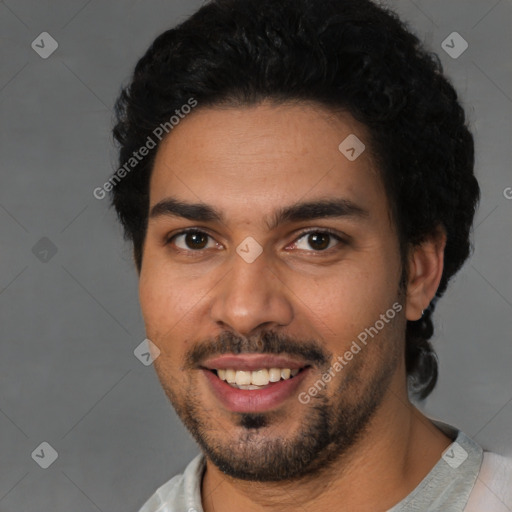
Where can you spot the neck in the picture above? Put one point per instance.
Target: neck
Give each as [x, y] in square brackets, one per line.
[398, 449]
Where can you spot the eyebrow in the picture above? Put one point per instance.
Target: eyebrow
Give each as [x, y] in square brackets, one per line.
[311, 210]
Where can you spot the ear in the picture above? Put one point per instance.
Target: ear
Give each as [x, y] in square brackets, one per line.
[426, 261]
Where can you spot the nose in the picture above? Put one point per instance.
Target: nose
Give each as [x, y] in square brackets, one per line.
[251, 297]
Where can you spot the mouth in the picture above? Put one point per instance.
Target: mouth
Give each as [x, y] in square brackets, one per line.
[254, 382]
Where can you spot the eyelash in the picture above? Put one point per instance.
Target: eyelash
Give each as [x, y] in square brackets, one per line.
[302, 234]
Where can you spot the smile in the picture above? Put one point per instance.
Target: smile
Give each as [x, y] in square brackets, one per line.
[257, 379]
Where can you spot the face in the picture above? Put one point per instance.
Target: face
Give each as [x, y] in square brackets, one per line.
[270, 260]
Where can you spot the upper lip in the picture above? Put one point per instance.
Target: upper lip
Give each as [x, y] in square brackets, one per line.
[252, 362]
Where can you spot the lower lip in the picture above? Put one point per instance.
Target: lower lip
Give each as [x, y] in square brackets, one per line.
[254, 400]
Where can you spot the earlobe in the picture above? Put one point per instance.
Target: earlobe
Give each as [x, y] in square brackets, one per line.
[426, 261]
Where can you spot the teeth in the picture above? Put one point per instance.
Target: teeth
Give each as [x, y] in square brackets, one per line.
[274, 374]
[260, 377]
[243, 378]
[255, 379]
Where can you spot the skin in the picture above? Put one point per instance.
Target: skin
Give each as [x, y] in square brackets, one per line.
[247, 162]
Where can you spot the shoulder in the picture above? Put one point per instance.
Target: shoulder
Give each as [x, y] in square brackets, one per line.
[492, 491]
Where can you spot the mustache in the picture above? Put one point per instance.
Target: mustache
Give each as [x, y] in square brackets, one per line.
[268, 342]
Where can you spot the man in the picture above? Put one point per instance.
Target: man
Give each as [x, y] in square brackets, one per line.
[297, 181]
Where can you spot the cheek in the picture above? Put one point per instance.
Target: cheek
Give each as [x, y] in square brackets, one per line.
[342, 303]
[161, 296]
[171, 305]
[348, 288]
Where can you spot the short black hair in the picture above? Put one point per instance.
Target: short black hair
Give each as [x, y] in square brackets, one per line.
[351, 55]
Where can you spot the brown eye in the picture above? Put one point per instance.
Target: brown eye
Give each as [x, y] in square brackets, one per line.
[196, 240]
[317, 241]
[191, 240]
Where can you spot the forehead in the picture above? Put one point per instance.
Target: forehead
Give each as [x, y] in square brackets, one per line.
[264, 155]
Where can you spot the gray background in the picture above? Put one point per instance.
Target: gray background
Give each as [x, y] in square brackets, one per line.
[70, 324]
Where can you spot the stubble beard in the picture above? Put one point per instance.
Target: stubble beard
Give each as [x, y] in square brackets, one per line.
[252, 450]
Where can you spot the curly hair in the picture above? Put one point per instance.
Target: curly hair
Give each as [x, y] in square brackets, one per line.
[352, 55]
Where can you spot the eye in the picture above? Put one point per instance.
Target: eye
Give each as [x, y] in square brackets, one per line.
[317, 240]
[194, 240]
